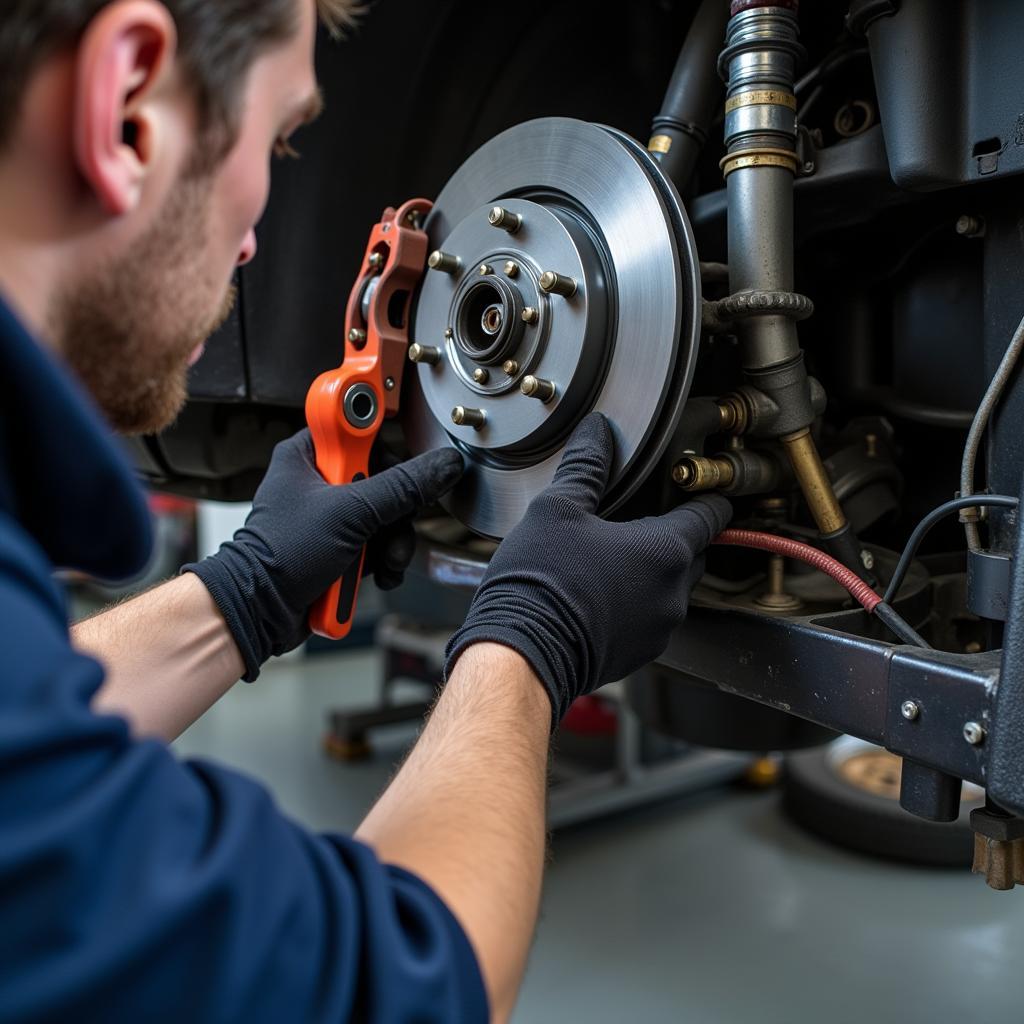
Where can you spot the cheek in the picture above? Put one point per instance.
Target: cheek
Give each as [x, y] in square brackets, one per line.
[242, 198]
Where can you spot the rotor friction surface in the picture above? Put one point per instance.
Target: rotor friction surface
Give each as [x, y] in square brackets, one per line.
[599, 186]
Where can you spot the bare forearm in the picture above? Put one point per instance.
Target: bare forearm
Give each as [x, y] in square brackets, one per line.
[466, 812]
[168, 654]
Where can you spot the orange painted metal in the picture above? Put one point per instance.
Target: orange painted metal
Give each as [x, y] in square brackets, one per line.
[345, 423]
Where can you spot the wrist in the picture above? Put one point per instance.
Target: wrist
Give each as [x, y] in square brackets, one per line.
[502, 676]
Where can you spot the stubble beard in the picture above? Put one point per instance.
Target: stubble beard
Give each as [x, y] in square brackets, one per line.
[129, 328]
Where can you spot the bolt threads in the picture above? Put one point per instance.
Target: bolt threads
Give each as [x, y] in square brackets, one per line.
[557, 284]
[537, 387]
[463, 417]
[508, 221]
[424, 354]
[444, 262]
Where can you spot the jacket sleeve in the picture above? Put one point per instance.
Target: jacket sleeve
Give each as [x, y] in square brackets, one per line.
[135, 887]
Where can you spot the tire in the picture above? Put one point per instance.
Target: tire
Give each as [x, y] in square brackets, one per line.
[848, 793]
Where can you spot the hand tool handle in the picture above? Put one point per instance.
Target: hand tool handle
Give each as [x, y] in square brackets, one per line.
[342, 457]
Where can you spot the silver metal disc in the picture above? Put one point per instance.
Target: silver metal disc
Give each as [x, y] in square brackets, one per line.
[624, 230]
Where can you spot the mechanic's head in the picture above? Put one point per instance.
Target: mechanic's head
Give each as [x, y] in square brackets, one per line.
[135, 140]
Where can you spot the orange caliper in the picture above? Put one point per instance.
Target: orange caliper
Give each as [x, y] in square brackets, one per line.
[346, 407]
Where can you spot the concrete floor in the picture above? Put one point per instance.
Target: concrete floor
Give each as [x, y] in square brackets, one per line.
[709, 909]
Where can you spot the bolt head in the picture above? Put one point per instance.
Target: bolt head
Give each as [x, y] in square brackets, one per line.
[356, 336]
[974, 733]
[449, 334]
[376, 260]
[511, 269]
[530, 315]
[486, 270]
[389, 384]
[910, 710]
[511, 367]
[481, 376]
[867, 559]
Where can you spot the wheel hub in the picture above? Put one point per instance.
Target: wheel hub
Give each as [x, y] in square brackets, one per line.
[564, 280]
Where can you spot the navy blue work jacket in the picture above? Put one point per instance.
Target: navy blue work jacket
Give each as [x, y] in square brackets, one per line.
[135, 887]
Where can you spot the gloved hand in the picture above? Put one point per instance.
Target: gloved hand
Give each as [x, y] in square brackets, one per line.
[587, 601]
[302, 535]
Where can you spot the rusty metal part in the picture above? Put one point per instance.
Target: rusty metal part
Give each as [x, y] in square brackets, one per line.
[775, 598]
[814, 482]
[695, 473]
[1000, 861]
[756, 97]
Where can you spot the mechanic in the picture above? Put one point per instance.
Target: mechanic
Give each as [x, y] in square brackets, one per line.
[135, 138]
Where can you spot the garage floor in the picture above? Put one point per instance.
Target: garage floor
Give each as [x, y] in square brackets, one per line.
[707, 909]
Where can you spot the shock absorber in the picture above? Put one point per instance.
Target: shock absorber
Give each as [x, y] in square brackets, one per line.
[762, 48]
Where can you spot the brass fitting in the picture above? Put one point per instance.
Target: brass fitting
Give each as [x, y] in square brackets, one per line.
[814, 482]
[697, 473]
[734, 413]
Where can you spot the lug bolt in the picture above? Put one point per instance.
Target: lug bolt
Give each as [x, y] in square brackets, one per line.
[481, 376]
[424, 354]
[974, 733]
[536, 387]
[557, 284]
[530, 315]
[356, 336]
[512, 269]
[486, 270]
[444, 262]
[511, 367]
[376, 261]
[463, 417]
[910, 710]
[499, 217]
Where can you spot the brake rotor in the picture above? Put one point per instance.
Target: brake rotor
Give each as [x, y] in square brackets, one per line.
[566, 280]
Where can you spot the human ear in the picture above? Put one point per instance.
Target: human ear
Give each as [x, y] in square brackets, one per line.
[124, 63]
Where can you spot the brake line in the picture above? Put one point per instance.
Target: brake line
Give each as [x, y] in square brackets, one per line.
[872, 603]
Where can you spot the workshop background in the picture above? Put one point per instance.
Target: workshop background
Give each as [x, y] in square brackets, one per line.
[696, 898]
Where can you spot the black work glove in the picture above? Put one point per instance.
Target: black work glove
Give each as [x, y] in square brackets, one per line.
[303, 533]
[587, 601]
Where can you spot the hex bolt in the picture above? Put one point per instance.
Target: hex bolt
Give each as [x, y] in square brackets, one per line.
[536, 387]
[512, 269]
[530, 315]
[499, 217]
[356, 336]
[463, 417]
[480, 375]
[486, 270]
[974, 733]
[557, 284]
[910, 710]
[376, 261]
[444, 261]
[424, 354]
[511, 367]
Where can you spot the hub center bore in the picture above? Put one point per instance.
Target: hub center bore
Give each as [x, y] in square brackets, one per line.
[487, 320]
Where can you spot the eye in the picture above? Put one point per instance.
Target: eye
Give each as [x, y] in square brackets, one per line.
[284, 150]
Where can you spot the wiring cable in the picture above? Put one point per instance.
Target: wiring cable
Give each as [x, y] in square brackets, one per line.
[846, 578]
[974, 501]
[977, 431]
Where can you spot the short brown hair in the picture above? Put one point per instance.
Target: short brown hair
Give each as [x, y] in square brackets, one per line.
[218, 41]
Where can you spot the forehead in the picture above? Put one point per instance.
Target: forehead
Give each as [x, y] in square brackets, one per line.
[288, 67]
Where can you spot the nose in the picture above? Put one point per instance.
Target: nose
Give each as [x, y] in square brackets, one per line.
[248, 251]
